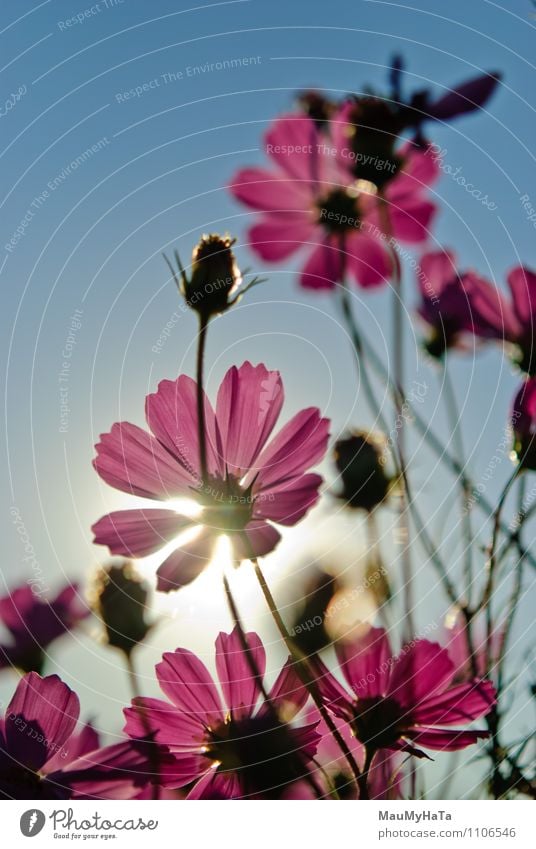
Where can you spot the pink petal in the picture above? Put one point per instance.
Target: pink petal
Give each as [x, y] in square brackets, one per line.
[217, 785]
[261, 539]
[411, 219]
[185, 564]
[491, 314]
[186, 681]
[288, 143]
[171, 414]
[522, 283]
[421, 169]
[333, 693]
[268, 191]
[365, 662]
[324, 268]
[240, 689]
[421, 670]
[136, 533]
[446, 741]
[288, 694]
[438, 269]
[368, 260]
[86, 740]
[288, 503]
[15, 607]
[456, 705]
[249, 402]
[171, 727]
[130, 459]
[40, 719]
[278, 236]
[301, 443]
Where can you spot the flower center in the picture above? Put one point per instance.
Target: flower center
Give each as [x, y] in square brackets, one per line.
[378, 722]
[260, 750]
[227, 505]
[338, 211]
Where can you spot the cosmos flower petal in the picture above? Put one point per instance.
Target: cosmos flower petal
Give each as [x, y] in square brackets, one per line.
[15, 607]
[365, 662]
[261, 539]
[137, 533]
[80, 743]
[368, 261]
[279, 235]
[185, 563]
[457, 705]
[446, 741]
[288, 503]
[186, 681]
[268, 191]
[288, 144]
[240, 688]
[298, 445]
[248, 406]
[130, 459]
[217, 785]
[421, 670]
[170, 727]
[438, 269]
[420, 169]
[467, 97]
[324, 268]
[39, 719]
[171, 414]
[522, 283]
[411, 220]
[288, 693]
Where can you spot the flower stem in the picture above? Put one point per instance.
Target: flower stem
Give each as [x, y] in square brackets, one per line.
[153, 749]
[201, 427]
[303, 668]
[362, 782]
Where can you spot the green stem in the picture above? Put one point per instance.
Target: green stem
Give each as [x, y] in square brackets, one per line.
[201, 426]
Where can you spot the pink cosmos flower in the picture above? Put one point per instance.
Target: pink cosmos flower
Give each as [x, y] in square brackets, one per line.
[310, 200]
[42, 756]
[231, 749]
[253, 481]
[385, 778]
[34, 623]
[398, 703]
[514, 320]
[523, 419]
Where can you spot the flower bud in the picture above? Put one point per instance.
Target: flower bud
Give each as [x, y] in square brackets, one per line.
[214, 277]
[119, 599]
[360, 460]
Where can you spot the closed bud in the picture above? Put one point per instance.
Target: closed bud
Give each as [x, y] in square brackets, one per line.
[214, 278]
[119, 598]
[360, 460]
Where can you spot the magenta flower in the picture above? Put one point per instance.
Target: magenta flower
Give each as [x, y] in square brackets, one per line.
[34, 623]
[310, 200]
[513, 320]
[523, 419]
[398, 703]
[231, 749]
[447, 301]
[252, 481]
[42, 756]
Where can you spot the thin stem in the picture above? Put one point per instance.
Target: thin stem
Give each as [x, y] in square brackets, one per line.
[454, 423]
[399, 434]
[201, 428]
[152, 746]
[303, 669]
[363, 778]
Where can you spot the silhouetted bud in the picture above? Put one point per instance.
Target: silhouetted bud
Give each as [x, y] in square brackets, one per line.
[308, 628]
[119, 598]
[214, 278]
[360, 460]
[317, 106]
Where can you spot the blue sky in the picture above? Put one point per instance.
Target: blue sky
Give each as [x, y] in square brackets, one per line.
[156, 179]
